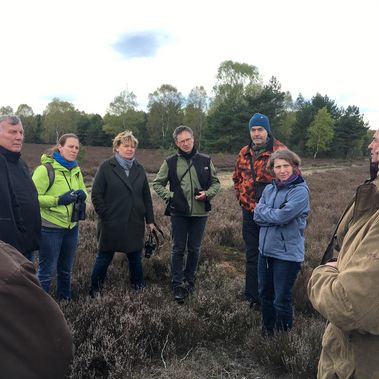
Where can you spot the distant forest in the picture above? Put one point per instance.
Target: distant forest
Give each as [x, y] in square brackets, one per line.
[315, 127]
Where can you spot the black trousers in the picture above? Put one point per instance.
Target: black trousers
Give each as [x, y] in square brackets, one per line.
[250, 233]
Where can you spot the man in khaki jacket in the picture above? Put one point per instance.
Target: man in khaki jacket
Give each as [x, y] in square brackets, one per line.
[35, 342]
[346, 291]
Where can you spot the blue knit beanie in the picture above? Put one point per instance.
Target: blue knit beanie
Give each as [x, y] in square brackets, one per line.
[260, 119]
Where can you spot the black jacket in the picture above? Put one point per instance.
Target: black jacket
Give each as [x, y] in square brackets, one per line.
[20, 220]
[123, 204]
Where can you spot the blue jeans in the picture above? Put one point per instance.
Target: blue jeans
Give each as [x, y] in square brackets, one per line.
[186, 232]
[56, 257]
[102, 262]
[276, 280]
[250, 233]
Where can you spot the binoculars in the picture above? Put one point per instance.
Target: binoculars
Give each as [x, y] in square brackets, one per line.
[78, 211]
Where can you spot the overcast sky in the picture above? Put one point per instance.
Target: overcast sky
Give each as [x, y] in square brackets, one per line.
[88, 51]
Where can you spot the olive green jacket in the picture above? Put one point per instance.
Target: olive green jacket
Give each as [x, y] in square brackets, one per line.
[348, 296]
[188, 184]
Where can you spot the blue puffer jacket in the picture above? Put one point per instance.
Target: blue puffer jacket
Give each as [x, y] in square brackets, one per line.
[282, 213]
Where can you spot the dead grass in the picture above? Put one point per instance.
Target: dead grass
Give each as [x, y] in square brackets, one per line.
[214, 335]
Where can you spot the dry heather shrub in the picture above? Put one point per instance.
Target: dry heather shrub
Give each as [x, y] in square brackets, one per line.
[295, 353]
[125, 334]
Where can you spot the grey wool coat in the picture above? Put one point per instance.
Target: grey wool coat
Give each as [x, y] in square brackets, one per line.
[123, 204]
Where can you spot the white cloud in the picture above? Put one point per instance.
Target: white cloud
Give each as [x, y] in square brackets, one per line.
[66, 49]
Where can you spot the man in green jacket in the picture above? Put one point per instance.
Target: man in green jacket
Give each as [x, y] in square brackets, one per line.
[345, 290]
[193, 182]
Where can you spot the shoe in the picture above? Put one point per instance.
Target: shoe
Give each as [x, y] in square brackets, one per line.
[255, 306]
[94, 294]
[267, 333]
[179, 294]
[189, 288]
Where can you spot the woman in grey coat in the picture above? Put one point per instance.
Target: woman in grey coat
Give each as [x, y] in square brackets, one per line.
[122, 200]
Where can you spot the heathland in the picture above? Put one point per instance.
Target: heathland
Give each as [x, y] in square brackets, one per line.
[128, 334]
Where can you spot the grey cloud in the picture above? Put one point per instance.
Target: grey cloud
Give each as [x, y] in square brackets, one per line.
[140, 44]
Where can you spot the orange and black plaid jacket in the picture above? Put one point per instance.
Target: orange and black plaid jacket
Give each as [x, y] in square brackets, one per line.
[243, 177]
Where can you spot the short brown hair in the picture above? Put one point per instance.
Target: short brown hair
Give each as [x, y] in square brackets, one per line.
[124, 137]
[292, 158]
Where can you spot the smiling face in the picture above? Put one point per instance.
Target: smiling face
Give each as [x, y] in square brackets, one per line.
[374, 147]
[70, 149]
[282, 169]
[11, 136]
[126, 150]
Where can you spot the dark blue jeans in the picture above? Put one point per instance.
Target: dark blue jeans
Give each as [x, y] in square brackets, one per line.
[250, 233]
[102, 262]
[56, 257]
[276, 280]
[186, 232]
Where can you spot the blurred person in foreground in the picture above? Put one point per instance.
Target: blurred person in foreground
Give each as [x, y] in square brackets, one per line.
[250, 177]
[193, 182]
[35, 341]
[345, 289]
[20, 221]
[282, 216]
[62, 202]
[122, 200]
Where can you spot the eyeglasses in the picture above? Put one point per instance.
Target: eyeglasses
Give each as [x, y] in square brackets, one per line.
[187, 140]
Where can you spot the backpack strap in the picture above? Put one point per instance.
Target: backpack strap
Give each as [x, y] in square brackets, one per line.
[50, 174]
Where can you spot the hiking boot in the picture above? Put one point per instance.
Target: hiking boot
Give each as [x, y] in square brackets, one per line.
[255, 305]
[189, 288]
[179, 294]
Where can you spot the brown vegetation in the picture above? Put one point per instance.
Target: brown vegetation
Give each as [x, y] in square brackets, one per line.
[128, 334]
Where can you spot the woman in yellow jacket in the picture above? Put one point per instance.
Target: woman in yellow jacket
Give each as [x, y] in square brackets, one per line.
[61, 194]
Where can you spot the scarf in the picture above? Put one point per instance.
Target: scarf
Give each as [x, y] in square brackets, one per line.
[64, 162]
[295, 178]
[10, 156]
[189, 155]
[126, 164]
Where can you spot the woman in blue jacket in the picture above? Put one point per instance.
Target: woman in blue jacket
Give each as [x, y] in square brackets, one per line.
[281, 214]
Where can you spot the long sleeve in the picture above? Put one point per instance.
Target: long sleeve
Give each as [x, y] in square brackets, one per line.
[296, 203]
[348, 296]
[215, 183]
[160, 182]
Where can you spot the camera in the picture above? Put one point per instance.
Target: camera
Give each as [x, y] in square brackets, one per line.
[78, 210]
[150, 246]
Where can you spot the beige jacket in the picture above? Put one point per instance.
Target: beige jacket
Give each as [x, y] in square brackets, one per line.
[35, 342]
[348, 296]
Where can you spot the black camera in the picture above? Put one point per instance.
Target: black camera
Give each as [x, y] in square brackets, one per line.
[197, 191]
[78, 210]
[150, 246]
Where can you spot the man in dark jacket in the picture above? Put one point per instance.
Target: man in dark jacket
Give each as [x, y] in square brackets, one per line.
[35, 341]
[250, 178]
[20, 220]
[193, 182]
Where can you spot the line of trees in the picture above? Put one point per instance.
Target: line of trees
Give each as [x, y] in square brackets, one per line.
[313, 127]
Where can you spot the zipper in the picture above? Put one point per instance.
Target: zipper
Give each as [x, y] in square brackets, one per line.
[264, 239]
[192, 192]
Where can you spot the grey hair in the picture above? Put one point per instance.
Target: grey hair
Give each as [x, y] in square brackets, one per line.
[180, 129]
[292, 158]
[11, 118]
